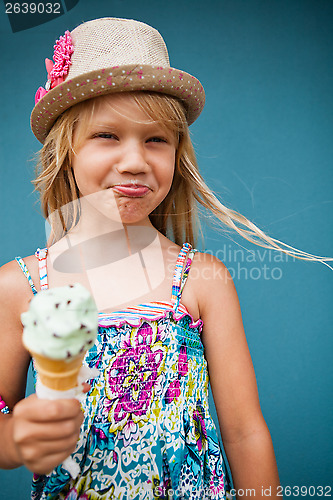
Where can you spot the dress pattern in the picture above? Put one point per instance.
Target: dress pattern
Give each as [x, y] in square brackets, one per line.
[147, 431]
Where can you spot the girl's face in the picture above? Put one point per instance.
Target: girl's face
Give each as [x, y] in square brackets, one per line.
[125, 160]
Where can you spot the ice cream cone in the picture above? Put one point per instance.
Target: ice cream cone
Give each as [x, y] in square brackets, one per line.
[59, 327]
[58, 374]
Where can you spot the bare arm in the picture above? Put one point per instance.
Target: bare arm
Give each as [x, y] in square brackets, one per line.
[37, 433]
[245, 435]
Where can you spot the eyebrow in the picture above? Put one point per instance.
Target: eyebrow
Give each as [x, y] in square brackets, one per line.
[112, 125]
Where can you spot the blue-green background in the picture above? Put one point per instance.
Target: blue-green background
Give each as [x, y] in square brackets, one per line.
[264, 144]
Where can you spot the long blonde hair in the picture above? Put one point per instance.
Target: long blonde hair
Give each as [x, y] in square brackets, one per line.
[177, 217]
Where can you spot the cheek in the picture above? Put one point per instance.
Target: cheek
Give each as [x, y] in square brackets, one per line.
[168, 185]
[168, 178]
[82, 182]
[86, 176]
[78, 168]
[167, 172]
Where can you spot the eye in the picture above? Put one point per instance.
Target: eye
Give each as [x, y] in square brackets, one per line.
[106, 135]
[157, 139]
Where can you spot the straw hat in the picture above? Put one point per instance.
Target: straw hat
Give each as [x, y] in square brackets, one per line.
[105, 56]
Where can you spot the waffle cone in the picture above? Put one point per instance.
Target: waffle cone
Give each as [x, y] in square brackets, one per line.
[57, 374]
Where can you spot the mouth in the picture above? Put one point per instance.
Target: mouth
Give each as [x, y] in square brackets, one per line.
[131, 190]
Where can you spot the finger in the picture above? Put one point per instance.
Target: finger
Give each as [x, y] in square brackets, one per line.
[44, 449]
[42, 410]
[27, 431]
[44, 463]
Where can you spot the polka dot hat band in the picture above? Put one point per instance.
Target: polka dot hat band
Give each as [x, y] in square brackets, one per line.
[105, 56]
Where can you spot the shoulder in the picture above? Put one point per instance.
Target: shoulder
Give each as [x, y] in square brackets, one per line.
[213, 284]
[210, 266]
[14, 286]
[217, 301]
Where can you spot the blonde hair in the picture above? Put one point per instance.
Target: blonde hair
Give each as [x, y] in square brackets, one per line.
[177, 216]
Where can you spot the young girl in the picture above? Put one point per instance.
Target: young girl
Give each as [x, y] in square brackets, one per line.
[119, 184]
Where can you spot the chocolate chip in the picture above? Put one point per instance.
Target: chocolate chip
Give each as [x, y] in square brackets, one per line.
[68, 302]
[82, 326]
[57, 305]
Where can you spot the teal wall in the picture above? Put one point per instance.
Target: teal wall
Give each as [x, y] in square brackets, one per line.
[264, 144]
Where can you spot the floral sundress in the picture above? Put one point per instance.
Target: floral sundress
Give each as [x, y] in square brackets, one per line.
[147, 432]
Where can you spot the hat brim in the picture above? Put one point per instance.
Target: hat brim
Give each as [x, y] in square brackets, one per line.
[129, 78]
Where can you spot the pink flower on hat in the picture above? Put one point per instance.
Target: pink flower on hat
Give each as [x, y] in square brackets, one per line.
[63, 51]
[57, 70]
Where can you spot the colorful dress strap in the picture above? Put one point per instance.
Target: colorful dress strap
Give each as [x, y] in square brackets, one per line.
[179, 280]
[41, 255]
[25, 270]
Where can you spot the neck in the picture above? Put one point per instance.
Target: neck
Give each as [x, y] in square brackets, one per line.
[96, 227]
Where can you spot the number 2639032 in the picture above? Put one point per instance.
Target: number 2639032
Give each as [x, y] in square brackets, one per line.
[33, 8]
[302, 491]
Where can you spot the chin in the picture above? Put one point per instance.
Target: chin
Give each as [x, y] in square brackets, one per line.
[131, 213]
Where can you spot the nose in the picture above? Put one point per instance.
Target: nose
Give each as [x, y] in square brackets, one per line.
[133, 159]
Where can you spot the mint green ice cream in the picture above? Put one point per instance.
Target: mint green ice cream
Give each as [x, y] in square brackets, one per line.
[61, 323]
